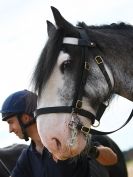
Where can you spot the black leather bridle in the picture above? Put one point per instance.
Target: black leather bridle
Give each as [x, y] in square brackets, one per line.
[76, 106]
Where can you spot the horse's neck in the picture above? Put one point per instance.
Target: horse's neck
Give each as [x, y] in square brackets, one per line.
[123, 83]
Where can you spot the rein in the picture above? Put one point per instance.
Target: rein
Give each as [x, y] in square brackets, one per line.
[76, 107]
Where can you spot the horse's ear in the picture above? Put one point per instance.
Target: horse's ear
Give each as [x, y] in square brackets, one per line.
[50, 28]
[62, 23]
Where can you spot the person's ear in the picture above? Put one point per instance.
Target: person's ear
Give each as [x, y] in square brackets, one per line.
[26, 118]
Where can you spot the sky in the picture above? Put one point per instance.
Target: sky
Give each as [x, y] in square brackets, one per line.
[23, 34]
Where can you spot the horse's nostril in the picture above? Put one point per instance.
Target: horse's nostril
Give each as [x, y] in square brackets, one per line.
[57, 142]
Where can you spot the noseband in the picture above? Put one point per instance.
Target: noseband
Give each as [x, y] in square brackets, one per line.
[76, 107]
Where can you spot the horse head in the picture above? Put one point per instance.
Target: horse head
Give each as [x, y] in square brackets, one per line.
[73, 77]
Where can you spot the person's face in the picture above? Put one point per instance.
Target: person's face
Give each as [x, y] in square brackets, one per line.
[14, 126]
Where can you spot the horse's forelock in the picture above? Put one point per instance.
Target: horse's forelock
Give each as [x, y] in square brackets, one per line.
[47, 61]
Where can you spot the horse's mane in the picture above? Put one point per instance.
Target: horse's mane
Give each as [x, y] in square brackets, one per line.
[115, 26]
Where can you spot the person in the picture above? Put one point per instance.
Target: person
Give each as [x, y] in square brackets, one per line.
[18, 111]
[36, 161]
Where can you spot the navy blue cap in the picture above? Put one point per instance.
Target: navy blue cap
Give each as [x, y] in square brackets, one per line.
[23, 101]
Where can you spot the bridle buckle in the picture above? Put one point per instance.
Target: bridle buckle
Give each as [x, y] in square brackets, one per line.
[99, 59]
[78, 104]
[85, 130]
[87, 67]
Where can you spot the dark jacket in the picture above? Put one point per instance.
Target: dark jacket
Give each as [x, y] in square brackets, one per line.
[33, 164]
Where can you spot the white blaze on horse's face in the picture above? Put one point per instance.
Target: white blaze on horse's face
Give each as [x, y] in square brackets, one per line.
[53, 128]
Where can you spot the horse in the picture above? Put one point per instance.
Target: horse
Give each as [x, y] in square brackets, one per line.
[79, 69]
[8, 158]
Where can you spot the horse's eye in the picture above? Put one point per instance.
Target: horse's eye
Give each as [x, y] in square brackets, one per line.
[66, 65]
